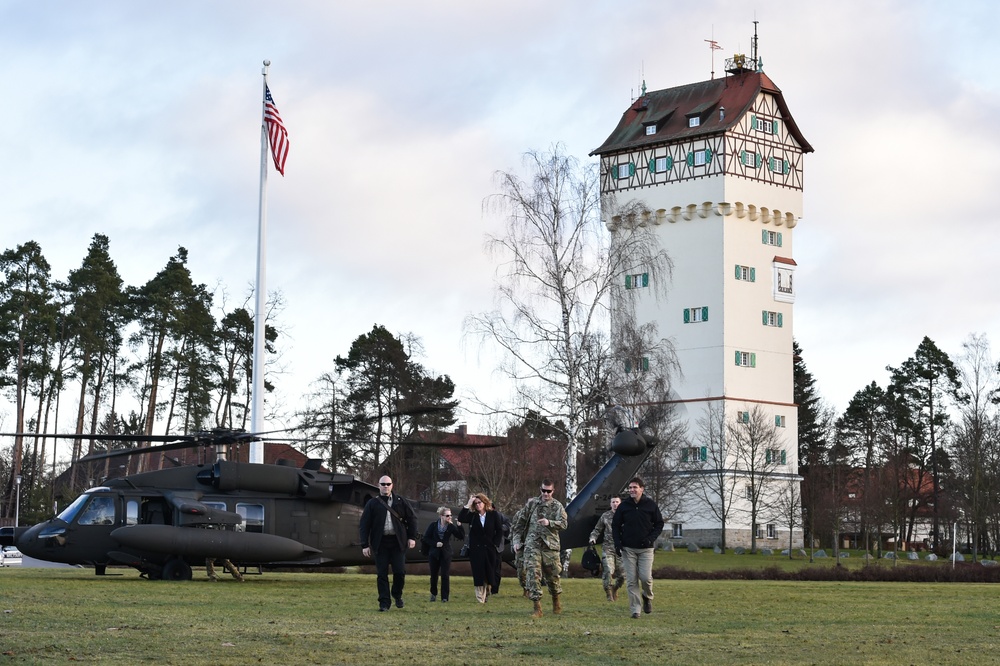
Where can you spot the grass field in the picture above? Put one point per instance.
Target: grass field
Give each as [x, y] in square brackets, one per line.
[57, 616]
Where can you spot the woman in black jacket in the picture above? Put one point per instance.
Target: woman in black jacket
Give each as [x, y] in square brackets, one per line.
[437, 544]
[485, 535]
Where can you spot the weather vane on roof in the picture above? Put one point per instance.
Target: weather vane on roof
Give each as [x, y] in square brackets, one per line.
[714, 46]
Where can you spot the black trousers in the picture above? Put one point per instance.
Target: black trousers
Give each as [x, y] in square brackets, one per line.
[389, 554]
[440, 562]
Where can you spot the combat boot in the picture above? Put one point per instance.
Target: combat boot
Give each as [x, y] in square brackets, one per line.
[611, 595]
[614, 593]
[538, 608]
[556, 604]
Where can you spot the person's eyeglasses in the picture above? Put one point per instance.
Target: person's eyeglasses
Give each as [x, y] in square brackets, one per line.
[447, 515]
[547, 490]
[384, 484]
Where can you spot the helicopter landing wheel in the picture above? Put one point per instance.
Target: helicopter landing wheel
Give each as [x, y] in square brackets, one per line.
[176, 569]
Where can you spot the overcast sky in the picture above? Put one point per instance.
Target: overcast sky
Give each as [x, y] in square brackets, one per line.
[141, 121]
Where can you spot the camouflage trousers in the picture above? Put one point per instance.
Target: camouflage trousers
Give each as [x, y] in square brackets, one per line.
[613, 574]
[541, 567]
[519, 565]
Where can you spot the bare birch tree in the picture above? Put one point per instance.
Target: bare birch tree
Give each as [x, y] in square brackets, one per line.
[758, 450]
[709, 465]
[558, 271]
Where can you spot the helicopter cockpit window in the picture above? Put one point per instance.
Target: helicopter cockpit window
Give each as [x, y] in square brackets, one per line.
[100, 511]
[253, 516]
[69, 513]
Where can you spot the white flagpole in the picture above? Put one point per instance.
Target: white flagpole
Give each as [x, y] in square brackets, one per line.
[260, 291]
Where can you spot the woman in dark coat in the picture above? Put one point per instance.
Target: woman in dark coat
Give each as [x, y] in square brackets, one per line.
[437, 544]
[485, 535]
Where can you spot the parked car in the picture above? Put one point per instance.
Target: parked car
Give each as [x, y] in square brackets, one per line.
[10, 556]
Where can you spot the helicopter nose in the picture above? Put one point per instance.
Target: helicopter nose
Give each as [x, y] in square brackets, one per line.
[33, 541]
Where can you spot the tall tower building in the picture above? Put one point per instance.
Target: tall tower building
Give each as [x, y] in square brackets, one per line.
[718, 166]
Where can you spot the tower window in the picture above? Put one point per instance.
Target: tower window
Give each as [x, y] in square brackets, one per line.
[746, 360]
[770, 318]
[661, 164]
[746, 273]
[771, 237]
[779, 420]
[637, 280]
[694, 315]
[650, 130]
[626, 170]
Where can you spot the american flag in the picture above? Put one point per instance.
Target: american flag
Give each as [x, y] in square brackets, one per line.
[276, 132]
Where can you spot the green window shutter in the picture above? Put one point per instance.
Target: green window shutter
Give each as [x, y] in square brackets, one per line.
[652, 166]
[770, 163]
[739, 273]
[746, 417]
[704, 453]
[645, 364]
[690, 159]
[743, 157]
[767, 456]
[779, 239]
[774, 126]
[628, 366]
[704, 313]
[631, 169]
[786, 167]
[782, 456]
[779, 320]
[684, 455]
[753, 360]
[628, 281]
[753, 122]
[708, 155]
[777, 421]
[670, 163]
[687, 316]
[760, 160]
[753, 274]
[645, 279]
[614, 172]
[763, 236]
[738, 358]
[763, 316]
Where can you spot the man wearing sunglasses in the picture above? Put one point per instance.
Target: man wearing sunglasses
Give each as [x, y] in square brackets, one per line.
[536, 534]
[388, 528]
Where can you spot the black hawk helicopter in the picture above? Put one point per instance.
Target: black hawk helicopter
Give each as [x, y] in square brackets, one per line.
[271, 515]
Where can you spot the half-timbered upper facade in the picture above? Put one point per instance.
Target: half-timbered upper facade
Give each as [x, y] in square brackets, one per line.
[718, 166]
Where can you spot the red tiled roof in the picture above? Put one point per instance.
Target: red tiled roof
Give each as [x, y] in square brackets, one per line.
[669, 109]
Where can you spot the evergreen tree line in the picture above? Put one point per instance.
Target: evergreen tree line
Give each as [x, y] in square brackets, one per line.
[119, 359]
[164, 358]
[922, 450]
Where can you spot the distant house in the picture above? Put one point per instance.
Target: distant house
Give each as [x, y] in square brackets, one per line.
[448, 467]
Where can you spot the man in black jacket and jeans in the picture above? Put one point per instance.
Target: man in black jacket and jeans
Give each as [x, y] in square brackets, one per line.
[388, 528]
[636, 527]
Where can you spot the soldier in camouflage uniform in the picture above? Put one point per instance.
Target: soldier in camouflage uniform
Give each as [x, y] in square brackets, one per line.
[536, 533]
[614, 575]
[518, 555]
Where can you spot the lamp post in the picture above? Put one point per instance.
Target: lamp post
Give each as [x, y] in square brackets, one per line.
[17, 503]
[954, 538]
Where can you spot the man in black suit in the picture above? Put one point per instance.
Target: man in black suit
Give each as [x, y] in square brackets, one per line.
[388, 529]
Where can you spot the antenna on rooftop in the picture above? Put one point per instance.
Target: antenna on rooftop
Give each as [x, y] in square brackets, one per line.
[753, 53]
